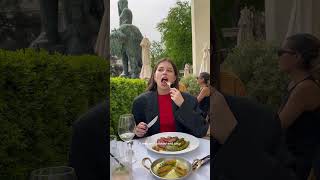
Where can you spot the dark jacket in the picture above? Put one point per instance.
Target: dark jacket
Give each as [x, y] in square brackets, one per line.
[252, 151]
[188, 117]
[89, 144]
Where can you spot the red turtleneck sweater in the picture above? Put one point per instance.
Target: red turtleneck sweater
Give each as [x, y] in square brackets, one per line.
[167, 122]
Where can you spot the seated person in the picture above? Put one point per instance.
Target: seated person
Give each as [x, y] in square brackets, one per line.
[176, 111]
[204, 95]
[249, 138]
[300, 112]
[89, 145]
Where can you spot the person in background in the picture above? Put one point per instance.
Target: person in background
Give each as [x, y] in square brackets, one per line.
[177, 111]
[89, 147]
[299, 113]
[246, 145]
[204, 95]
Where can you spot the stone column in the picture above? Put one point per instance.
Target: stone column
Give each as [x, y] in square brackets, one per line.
[200, 13]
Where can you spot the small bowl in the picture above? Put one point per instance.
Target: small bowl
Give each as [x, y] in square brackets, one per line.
[185, 163]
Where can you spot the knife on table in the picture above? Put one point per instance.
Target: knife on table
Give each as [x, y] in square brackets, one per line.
[154, 120]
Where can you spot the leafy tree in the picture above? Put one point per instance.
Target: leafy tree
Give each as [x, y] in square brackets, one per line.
[157, 52]
[176, 34]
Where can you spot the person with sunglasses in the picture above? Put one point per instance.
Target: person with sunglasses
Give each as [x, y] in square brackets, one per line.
[299, 113]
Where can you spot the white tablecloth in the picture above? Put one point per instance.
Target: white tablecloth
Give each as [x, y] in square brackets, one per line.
[140, 152]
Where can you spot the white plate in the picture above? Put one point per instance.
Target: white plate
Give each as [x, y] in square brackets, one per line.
[152, 140]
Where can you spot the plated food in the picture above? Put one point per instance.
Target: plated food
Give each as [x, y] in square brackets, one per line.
[171, 143]
[169, 168]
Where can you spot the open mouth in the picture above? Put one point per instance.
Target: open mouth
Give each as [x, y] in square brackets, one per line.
[165, 81]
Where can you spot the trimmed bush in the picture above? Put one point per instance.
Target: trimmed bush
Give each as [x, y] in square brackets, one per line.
[123, 91]
[40, 96]
[256, 64]
[191, 84]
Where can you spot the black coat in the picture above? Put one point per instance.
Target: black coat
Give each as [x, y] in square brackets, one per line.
[188, 117]
[254, 148]
[89, 144]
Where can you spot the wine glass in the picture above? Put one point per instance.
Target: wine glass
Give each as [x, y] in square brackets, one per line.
[126, 127]
[121, 167]
[54, 173]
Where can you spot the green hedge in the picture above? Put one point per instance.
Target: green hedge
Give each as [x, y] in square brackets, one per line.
[256, 64]
[40, 96]
[191, 84]
[123, 91]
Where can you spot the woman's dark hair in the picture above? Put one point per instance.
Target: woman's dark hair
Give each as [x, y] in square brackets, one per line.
[307, 45]
[152, 85]
[205, 76]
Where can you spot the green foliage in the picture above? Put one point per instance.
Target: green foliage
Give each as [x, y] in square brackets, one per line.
[41, 95]
[115, 43]
[191, 84]
[256, 64]
[157, 52]
[123, 91]
[176, 33]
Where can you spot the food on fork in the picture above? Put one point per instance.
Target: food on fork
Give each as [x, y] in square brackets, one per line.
[165, 82]
[169, 83]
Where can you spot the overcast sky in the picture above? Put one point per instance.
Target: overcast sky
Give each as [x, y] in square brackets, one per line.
[146, 15]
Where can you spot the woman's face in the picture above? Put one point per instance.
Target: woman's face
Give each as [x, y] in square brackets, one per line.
[200, 80]
[164, 73]
[288, 59]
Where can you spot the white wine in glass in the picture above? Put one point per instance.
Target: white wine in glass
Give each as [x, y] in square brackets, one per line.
[127, 136]
[126, 127]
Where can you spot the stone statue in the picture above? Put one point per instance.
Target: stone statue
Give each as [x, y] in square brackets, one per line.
[125, 43]
[82, 21]
[186, 71]
[121, 5]
[126, 16]
[245, 25]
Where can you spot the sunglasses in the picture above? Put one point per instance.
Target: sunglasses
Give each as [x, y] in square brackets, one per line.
[282, 51]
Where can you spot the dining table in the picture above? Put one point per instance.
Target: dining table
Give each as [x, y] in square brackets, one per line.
[139, 172]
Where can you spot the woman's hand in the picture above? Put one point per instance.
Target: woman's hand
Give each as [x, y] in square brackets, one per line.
[141, 129]
[176, 96]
